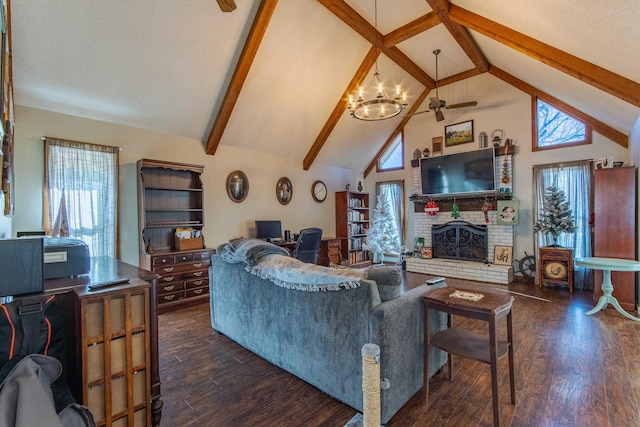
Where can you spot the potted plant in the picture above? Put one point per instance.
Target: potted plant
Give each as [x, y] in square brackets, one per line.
[556, 217]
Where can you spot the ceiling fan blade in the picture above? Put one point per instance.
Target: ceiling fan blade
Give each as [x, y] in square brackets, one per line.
[463, 104]
[227, 5]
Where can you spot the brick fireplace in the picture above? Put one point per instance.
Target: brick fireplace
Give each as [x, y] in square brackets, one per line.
[497, 235]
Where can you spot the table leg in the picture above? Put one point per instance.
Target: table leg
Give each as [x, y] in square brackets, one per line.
[607, 298]
[493, 352]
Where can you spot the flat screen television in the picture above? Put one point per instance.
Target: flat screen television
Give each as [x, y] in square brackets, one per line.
[268, 230]
[471, 172]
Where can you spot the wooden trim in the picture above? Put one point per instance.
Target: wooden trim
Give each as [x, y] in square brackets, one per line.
[360, 25]
[589, 73]
[340, 107]
[411, 29]
[398, 129]
[602, 128]
[249, 51]
[460, 34]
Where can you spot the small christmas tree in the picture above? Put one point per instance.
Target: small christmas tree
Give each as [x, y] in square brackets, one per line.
[382, 236]
[556, 217]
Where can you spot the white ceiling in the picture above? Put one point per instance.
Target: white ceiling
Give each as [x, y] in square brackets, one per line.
[165, 65]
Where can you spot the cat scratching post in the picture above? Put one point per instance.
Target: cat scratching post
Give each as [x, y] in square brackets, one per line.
[370, 385]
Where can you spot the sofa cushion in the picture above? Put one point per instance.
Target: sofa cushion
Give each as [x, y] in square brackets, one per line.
[389, 280]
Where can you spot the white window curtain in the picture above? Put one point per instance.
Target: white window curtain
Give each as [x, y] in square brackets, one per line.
[393, 191]
[574, 178]
[81, 194]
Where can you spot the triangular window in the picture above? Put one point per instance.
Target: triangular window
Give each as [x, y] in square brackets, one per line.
[393, 157]
[555, 128]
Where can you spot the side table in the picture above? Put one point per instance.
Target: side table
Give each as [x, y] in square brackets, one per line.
[472, 345]
[607, 265]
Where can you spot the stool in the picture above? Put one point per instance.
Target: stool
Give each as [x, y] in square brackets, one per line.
[472, 345]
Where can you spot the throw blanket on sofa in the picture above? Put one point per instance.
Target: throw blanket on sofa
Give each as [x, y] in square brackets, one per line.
[273, 263]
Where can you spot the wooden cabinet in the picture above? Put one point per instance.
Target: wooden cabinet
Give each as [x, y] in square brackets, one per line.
[170, 196]
[352, 222]
[184, 278]
[330, 251]
[555, 266]
[115, 351]
[80, 310]
[614, 229]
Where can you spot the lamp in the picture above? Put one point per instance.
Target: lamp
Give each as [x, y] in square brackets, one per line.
[379, 106]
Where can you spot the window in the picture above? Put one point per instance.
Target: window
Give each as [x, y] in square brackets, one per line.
[574, 179]
[393, 156]
[555, 128]
[391, 195]
[81, 194]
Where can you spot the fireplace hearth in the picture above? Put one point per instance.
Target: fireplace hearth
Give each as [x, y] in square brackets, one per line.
[460, 240]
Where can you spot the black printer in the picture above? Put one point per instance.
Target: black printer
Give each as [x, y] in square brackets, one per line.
[65, 257]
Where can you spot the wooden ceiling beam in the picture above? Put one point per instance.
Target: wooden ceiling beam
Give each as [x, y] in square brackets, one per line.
[340, 107]
[596, 76]
[411, 29]
[249, 50]
[397, 130]
[460, 34]
[602, 128]
[360, 25]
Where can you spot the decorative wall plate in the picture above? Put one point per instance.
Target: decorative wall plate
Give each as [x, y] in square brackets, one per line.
[237, 186]
[284, 190]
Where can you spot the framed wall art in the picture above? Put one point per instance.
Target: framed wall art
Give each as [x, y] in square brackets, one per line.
[508, 212]
[284, 190]
[237, 186]
[502, 255]
[436, 145]
[458, 133]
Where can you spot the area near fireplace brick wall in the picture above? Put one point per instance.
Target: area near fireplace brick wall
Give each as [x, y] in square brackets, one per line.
[500, 235]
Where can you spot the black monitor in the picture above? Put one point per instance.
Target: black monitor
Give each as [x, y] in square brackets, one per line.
[268, 229]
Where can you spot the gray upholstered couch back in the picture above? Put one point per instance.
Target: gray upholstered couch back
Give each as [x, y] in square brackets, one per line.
[318, 336]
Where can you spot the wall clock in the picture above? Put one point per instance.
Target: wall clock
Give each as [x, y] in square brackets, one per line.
[319, 191]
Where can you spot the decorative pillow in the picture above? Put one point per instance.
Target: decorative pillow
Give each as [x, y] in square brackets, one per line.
[389, 280]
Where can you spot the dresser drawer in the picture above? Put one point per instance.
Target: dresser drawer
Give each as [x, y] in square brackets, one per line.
[163, 260]
[174, 296]
[197, 274]
[167, 288]
[191, 284]
[190, 293]
[204, 255]
[184, 258]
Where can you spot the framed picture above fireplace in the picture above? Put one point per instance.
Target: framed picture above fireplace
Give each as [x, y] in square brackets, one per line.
[502, 255]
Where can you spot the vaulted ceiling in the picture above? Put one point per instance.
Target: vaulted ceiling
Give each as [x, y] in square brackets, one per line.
[272, 76]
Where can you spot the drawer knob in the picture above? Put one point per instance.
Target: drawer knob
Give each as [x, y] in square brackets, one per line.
[169, 288]
[198, 291]
[197, 273]
[168, 278]
[168, 297]
[197, 265]
[168, 269]
[198, 282]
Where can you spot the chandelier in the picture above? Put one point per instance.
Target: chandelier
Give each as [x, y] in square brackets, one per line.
[378, 106]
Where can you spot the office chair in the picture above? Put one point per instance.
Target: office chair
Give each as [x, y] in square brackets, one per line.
[308, 245]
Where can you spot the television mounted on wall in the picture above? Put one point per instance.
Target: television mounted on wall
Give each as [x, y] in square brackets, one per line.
[467, 173]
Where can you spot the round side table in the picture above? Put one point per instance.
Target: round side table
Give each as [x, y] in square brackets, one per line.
[607, 265]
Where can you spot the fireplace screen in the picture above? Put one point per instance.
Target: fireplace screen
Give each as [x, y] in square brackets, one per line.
[460, 240]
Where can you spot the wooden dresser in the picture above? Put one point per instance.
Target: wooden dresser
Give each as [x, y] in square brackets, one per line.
[184, 277]
[112, 336]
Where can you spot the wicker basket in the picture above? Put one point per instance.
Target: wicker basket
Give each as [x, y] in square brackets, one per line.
[189, 244]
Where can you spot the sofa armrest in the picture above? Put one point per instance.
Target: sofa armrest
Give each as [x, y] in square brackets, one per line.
[397, 327]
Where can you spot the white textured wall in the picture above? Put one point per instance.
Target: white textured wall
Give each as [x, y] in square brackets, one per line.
[224, 219]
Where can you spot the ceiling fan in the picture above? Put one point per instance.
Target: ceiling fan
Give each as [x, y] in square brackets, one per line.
[436, 104]
[227, 5]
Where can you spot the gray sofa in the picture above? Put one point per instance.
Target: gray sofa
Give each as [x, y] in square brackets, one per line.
[318, 336]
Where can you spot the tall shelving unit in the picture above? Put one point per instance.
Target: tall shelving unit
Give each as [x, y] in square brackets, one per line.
[170, 196]
[352, 222]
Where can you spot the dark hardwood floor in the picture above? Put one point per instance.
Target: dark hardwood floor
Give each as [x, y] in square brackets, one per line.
[571, 370]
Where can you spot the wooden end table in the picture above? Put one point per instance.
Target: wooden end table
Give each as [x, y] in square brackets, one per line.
[472, 345]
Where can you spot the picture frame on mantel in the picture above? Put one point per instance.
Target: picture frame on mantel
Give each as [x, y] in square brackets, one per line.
[502, 255]
[436, 145]
[458, 133]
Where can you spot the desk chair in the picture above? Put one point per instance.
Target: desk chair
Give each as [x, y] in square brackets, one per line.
[308, 245]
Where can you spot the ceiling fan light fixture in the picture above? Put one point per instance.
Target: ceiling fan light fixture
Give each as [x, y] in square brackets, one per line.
[439, 116]
[379, 106]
